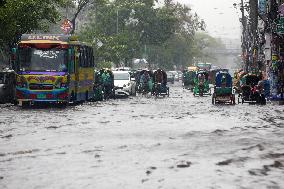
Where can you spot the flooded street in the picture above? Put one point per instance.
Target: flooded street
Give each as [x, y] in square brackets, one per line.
[179, 141]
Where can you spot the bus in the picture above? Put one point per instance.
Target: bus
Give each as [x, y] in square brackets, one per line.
[204, 66]
[53, 68]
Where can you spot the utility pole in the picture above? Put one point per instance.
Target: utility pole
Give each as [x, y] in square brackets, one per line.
[244, 46]
[253, 18]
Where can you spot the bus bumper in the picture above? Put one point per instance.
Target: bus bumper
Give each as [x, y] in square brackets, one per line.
[54, 96]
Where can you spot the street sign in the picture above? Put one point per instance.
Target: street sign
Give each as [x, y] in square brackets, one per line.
[66, 26]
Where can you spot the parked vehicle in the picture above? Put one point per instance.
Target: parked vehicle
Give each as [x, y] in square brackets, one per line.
[124, 85]
[123, 69]
[251, 92]
[170, 77]
[53, 68]
[7, 87]
[223, 91]
[176, 75]
[180, 74]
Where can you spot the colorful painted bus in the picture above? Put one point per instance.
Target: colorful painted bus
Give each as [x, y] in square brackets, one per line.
[53, 68]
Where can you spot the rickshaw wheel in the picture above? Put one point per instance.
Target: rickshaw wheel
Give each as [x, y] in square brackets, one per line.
[15, 102]
[25, 104]
[213, 99]
[157, 92]
[263, 101]
[239, 101]
[233, 101]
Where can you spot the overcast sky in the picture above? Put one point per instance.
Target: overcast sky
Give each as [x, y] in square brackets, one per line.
[221, 18]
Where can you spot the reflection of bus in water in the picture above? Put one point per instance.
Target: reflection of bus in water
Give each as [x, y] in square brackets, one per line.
[204, 66]
[53, 68]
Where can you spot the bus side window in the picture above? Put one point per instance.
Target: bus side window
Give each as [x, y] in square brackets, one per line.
[72, 64]
[84, 57]
[88, 57]
[71, 59]
[91, 57]
[80, 56]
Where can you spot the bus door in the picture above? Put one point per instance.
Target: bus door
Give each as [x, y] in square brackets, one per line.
[76, 67]
[72, 59]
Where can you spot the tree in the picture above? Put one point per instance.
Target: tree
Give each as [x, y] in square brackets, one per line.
[205, 46]
[178, 50]
[2, 2]
[21, 16]
[78, 6]
[138, 29]
[125, 26]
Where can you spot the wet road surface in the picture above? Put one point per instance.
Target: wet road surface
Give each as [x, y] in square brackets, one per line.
[179, 141]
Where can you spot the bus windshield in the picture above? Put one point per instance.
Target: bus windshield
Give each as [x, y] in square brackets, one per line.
[34, 59]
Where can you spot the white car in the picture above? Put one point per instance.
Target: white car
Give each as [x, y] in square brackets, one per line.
[124, 85]
[175, 73]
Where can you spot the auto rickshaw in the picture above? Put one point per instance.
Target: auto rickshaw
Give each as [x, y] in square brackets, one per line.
[251, 92]
[223, 91]
[188, 78]
[160, 84]
[144, 82]
[213, 73]
[201, 84]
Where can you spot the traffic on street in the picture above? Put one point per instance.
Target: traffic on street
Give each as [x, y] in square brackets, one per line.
[123, 94]
[179, 141]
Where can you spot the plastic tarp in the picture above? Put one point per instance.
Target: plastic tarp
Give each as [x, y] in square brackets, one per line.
[222, 76]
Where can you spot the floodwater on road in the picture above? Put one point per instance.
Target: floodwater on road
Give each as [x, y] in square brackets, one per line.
[179, 141]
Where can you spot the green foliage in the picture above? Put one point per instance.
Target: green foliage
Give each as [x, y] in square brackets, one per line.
[128, 29]
[126, 26]
[204, 46]
[21, 16]
[178, 50]
[103, 64]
